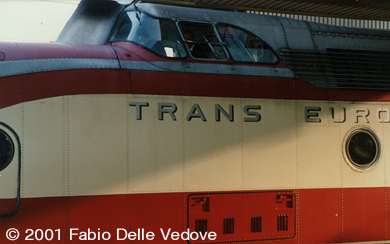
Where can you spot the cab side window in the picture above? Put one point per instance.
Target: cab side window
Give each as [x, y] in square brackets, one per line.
[157, 35]
[244, 46]
[202, 41]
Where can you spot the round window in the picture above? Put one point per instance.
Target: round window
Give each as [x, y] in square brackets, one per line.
[362, 149]
[6, 150]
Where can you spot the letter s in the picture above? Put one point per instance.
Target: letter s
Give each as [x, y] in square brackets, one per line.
[256, 117]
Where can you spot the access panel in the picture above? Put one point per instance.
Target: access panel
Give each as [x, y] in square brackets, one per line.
[244, 216]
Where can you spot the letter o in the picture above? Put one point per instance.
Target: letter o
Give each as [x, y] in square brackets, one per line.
[108, 236]
[197, 236]
[386, 115]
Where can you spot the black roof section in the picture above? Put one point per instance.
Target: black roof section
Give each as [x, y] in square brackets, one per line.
[91, 23]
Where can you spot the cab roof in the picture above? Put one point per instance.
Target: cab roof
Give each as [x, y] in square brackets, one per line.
[93, 21]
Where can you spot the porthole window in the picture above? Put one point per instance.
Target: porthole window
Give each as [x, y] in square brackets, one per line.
[6, 150]
[362, 149]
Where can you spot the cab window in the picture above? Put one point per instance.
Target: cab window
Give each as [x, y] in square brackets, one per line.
[244, 46]
[202, 40]
[157, 35]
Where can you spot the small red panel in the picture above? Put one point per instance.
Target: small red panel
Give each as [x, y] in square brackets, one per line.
[364, 214]
[320, 215]
[242, 216]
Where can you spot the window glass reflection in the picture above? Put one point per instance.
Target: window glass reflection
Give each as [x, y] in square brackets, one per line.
[157, 35]
[246, 47]
[202, 41]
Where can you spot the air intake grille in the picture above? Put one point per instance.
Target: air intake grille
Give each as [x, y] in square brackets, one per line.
[228, 226]
[283, 222]
[341, 68]
[256, 224]
[201, 225]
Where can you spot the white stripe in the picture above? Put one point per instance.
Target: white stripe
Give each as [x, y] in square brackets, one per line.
[208, 68]
[17, 67]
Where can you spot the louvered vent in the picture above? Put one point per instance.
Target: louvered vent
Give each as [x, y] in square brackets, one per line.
[341, 68]
[228, 226]
[256, 224]
[201, 225]
[283, 222]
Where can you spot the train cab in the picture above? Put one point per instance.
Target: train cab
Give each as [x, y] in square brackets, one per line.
[190, 125]
[197, 40]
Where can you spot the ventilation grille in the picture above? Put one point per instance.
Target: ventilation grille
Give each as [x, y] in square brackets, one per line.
[228, 226]
[256, 224]
[201, 225]
[341, 68]
[283, 222]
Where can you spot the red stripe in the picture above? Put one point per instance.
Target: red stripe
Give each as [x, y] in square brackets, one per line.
[29, 87]
[322, 215]
[22, 88]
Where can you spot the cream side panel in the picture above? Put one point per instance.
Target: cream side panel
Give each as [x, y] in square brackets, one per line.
[95, 145]
[355, 112]
[8, 181]
[213, 159]
[9, 175]
[155, 146]
[44, 148]
[318, 148]
[269, 147]
[385, 156]
[321, 153]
